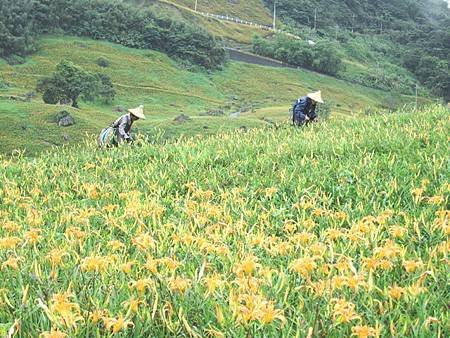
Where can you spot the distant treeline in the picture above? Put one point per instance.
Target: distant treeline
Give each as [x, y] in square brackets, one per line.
[420, 29]
[21, 21]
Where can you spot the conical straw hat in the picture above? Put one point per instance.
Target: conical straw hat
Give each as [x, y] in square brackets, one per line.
[316, 96]
[138, 112]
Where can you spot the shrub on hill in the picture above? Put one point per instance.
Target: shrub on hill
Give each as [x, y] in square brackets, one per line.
[323, 57]
[106, 89]
[435, 73]
[3, 84]
[22, 20]
[103, 62]
[186, 42]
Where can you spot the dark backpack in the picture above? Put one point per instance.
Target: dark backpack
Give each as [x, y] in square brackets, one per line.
[292, 110]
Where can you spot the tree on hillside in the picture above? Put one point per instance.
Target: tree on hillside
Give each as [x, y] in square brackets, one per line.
[70, 82]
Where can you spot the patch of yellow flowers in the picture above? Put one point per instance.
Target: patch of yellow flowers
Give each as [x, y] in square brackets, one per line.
[125, 247]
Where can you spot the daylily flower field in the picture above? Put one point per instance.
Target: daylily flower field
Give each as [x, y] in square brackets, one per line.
[337, 230]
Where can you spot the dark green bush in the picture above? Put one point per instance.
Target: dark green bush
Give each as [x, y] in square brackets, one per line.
[327, 58]
[51, 95]
[103, 62]
[3, 84]
[14, 60]
[323, 57]
[435, 73]
[106, 90]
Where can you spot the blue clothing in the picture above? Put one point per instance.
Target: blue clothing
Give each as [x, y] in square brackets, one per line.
[304, 107]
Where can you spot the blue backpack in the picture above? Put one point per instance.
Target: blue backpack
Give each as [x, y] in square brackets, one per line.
[294, 107]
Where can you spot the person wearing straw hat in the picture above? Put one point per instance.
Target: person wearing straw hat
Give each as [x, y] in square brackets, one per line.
[120, 130]
[304, 110]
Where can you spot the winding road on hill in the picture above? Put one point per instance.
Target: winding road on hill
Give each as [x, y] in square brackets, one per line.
[238, 55]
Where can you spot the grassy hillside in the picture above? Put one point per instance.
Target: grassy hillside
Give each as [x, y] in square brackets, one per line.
[251, 10]
[231, 33]
[328, 231]
[152, 79]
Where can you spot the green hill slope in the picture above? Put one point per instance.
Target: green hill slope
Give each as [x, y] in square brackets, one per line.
[232, 34]
[330, 231]
[152, 79]
[251, 10]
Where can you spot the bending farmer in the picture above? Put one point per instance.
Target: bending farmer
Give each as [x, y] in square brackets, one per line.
[304, 110]
[120, 130]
